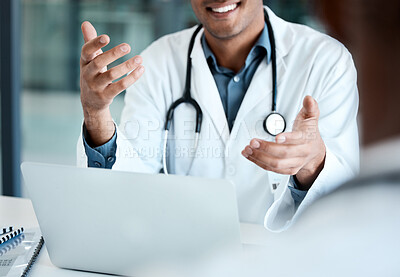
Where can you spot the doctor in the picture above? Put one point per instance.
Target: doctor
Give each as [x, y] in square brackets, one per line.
[231, 78]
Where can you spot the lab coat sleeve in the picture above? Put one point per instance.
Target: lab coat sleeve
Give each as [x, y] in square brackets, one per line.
[338, 104]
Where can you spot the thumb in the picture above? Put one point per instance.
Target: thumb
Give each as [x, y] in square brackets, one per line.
[310, 108]
[88, 31]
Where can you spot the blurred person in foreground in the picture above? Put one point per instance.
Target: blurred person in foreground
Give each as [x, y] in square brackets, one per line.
[354, 231]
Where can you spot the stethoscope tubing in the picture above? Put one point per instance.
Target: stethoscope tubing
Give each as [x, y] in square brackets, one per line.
[187, 98]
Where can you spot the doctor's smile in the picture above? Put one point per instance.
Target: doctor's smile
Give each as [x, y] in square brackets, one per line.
[222, 10]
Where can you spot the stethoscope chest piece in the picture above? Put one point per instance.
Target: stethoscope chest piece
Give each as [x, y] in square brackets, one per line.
[274, 124]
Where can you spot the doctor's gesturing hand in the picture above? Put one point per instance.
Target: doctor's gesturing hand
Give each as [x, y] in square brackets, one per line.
[300, 152]
[97, 87]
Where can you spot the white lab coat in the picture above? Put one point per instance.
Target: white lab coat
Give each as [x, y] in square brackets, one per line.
[308, 63]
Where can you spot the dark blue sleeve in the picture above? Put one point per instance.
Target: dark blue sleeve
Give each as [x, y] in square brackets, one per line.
[297, 194]
[102, 156]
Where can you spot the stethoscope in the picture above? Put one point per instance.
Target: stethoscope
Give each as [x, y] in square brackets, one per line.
[273, 124]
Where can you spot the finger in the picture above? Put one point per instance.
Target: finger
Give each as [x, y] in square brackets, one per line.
[283, 151]
[117, 87]
[88, 31]
[308, 116]
[295, 137]
[283, 156]
[92, 48]
[290, 141]
[285, 171]
[108, 57]
[280, 150]
[276, 162]
[308, 132]
[119, 70]
[310, 108]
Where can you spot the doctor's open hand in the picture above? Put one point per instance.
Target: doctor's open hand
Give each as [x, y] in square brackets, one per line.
[98, 88]
[300, 152]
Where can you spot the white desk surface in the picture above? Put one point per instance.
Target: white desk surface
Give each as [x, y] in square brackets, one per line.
[19, 212]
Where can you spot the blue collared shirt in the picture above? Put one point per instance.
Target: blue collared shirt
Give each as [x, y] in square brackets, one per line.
[232, 88]
[102, 156]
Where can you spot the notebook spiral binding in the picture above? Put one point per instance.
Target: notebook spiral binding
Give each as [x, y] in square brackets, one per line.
[12, 244]
[33, 258]
[8, 235]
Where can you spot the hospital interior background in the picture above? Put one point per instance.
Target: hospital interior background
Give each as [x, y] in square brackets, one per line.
[51, 113]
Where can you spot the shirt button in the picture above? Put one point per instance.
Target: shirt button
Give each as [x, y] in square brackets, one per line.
[97, 164]
[110, 159]
[231, 170]
[236, 79]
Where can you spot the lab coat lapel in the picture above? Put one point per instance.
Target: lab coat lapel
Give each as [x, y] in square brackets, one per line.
[260, 87]
[261, 84]
[205, 91]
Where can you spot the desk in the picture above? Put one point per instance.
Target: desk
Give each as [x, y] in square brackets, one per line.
[19, 212]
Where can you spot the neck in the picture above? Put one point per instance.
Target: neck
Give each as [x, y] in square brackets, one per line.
[232, 53]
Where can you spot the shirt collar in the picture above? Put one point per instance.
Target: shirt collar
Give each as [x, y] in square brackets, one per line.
[262, 45]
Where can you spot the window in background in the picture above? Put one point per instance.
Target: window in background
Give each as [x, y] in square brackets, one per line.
[51, 44]
[52, 40]
[297, 11]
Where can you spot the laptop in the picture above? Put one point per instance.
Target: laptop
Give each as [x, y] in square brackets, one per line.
[128, 223]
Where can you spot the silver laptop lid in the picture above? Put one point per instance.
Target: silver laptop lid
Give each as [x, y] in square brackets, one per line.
[125, 223]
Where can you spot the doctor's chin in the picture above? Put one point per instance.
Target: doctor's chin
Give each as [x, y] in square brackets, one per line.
[199, 138]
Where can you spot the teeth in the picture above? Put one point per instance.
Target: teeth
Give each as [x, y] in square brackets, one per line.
[225, 9]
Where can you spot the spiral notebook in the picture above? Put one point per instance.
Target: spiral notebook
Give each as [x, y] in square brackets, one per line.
[18, 254]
